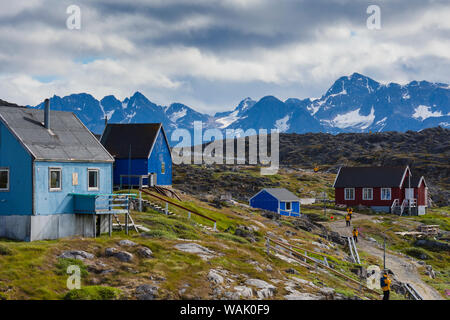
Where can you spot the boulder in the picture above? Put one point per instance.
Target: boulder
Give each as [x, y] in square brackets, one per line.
[146, 292]
[109, 252]
[265, 293]
[76, 254]
[195, 248]
[266, 288]
[124, 256]
[145, 252]
[120, 255]
[215, 277]
[127, 243]
[244, 291]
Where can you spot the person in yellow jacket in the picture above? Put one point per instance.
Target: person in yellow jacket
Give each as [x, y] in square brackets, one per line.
[355, 234]
[347, 220]
[385, 285]
[350, 212]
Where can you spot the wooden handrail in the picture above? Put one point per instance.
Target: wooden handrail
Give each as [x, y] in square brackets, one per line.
[177, 205]
[323, 266]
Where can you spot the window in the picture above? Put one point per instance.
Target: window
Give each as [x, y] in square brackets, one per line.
[4, 179]
[367, 194]
[93, 175]
[385, 193]
[288, 206]
[55, 179]
[163, 167]
[349, 193]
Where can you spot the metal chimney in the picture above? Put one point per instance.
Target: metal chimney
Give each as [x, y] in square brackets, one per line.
[47, 114]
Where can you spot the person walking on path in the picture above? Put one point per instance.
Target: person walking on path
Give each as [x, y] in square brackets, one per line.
[350, 212]
[385, 284]
[355, 234]
[347, 220]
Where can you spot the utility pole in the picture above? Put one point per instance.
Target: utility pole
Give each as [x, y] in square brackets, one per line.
[384, 248]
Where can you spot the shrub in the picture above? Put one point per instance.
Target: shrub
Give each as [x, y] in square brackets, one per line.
[64, 263]
[93, 293]
[418, 253]
[5, 251]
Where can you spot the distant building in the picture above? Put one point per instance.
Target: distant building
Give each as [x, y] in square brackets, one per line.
[45, 159]
[385, 189]
[141, 150]
[277, 200]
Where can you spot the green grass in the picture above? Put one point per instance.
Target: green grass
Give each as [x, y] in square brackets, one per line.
[93, 293]
[64, 263]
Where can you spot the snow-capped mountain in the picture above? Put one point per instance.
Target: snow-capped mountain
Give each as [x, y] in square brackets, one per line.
[353, 103]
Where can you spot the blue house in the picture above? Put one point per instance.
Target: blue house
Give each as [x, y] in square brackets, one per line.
[277, 200]
[142, 153]
[46, 159]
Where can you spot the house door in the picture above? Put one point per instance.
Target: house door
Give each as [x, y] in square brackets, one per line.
[409, 193]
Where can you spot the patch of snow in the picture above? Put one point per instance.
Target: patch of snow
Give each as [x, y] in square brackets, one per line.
[424, 112]
[124, 105]
[444, 124]
[226, 121]
[315, 106]
[353, 119]
[406, 96]
[281, 124]
[177, 115]
[246, 104]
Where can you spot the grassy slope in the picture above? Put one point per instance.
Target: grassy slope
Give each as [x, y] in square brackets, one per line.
[33, 271]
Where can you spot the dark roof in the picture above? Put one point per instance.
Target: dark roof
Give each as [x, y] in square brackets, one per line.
[415, 179]
[67, 140]
[369, 177]
[282, 194]
[117, 139]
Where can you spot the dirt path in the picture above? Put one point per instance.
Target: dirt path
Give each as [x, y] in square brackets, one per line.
[405, 270]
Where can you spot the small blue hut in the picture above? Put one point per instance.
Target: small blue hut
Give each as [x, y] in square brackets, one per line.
[142, 153]
[47, 158]
[277, 200]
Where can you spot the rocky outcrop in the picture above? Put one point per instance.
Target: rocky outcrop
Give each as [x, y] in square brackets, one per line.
[76, 254]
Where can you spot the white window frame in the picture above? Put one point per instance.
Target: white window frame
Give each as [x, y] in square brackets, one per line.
[390, 194]
[364, 195]
[345, 193]
[97, 188]
[50, 179]
[7, 179]
[286, 205]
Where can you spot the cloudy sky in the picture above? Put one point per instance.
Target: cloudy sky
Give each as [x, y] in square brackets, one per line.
[210, 54]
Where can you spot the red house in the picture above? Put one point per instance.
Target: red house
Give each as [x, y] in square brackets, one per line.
[384, 189]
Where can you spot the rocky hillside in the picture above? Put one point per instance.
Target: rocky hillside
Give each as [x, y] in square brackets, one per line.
[426, 152]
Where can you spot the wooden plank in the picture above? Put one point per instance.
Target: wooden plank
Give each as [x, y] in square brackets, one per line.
[328, 268]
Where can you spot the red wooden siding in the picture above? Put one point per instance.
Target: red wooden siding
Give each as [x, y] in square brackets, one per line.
[396, 193]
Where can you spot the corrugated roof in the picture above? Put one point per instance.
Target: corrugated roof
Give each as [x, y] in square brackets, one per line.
[117, 139]
[282, 194]
[67, 140]
[354, 177]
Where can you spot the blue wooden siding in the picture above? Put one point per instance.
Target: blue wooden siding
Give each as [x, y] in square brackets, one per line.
[160, 154]
[56, 202]
[295, 209]
[264, 200]
[18, 200]
[121, 167]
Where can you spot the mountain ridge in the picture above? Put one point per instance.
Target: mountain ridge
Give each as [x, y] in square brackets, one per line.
[354, 103]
